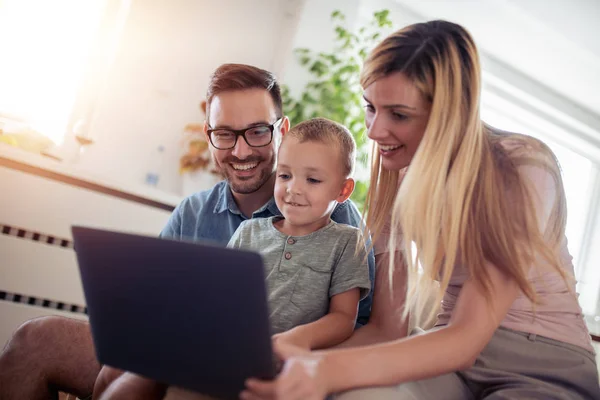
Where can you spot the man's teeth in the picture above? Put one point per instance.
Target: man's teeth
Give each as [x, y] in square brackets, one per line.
[244, 167]
[388, 148]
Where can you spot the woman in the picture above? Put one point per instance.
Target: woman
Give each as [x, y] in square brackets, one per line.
[485, 211]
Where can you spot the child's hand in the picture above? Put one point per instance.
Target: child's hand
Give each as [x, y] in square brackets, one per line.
[290, 338]
[301, 378]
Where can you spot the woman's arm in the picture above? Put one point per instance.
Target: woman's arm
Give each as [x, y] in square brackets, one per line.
[386, 321]
[448, 349]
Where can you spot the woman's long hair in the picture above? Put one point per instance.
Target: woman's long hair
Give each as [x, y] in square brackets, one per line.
[462, 200]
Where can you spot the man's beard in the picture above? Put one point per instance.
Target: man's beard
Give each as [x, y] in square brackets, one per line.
[252, 184]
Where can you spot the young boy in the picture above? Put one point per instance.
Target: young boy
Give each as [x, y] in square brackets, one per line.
[316, 269]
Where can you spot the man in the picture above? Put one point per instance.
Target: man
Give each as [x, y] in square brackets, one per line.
[50, 354]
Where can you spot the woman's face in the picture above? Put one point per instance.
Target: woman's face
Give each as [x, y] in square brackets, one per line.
[396, 116]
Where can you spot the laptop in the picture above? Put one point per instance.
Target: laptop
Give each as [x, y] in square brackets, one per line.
[193, 315]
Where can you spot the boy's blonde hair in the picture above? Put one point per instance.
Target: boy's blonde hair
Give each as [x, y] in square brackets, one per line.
[323, 130]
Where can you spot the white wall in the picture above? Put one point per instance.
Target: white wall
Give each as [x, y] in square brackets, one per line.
[577, 19]
[167, 52]
[553, 42]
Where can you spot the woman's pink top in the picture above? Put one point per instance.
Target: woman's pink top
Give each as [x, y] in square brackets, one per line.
[558, 315]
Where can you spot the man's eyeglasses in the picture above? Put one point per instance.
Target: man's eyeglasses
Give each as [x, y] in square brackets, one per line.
[255, 136]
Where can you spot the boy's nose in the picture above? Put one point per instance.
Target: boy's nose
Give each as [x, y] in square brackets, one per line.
[294, 189]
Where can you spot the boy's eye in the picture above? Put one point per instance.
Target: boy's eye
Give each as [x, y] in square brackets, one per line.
[313, 180]
[369, 108]
[283, 176]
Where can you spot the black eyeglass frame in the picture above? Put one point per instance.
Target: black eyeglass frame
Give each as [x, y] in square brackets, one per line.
[242, 133]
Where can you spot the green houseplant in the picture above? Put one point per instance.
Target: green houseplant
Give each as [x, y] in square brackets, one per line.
[334, 90]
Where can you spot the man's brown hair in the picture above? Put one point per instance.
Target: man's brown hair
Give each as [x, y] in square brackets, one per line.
[229, 77]
[323, 130]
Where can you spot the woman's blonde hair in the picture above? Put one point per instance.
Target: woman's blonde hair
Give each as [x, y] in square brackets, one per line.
[453, 205]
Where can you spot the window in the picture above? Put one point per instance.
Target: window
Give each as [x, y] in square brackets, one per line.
[44, 46]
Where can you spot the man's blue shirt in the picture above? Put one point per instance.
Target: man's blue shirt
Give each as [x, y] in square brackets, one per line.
[213, 215]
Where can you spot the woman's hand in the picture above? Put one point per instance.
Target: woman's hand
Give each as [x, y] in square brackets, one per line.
[300, 378]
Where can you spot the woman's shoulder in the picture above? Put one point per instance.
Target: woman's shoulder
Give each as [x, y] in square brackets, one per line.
[520, 148]
[529, 157]
[535, 165]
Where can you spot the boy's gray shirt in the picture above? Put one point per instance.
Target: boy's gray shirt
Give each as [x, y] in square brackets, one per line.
[304, 272]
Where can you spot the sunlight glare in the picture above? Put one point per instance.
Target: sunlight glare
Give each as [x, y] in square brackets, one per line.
[44, 47]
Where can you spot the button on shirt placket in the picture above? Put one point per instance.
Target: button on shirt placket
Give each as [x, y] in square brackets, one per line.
[288, 254]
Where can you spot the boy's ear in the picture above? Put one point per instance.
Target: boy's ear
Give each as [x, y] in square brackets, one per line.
[346, 192]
